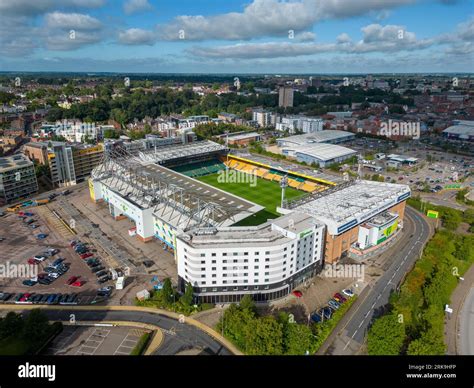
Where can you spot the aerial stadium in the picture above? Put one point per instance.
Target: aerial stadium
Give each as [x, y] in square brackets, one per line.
[261, 236]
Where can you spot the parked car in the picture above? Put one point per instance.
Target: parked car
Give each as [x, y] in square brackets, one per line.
[57, 262]
[316, 318]
[101, 273]
[66, 192]
[97, 269]
[297, 293]
[86, 255]
[333, 304]
[339, 297]
[348, 292]
[72, 279]
[39, 258]
[45, 281]
[29, 282]
[41, 236]
[53, 275]
[78, 283]
[73, 243]
[33, 226]
[33, 261]
[104, 279]
[327, 312]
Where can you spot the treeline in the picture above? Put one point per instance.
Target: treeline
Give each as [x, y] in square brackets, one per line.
[21, 335]
[207, 131]
[265, 335]
[414, 321]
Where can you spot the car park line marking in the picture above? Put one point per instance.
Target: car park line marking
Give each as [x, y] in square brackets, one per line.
[96, 333]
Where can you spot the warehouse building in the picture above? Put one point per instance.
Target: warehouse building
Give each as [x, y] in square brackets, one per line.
[319, 153]
[329, 136]
[462, 130]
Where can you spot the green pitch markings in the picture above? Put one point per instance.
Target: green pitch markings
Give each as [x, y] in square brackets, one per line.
[265, 193]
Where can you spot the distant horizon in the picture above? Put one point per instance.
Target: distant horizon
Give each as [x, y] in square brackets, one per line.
[92, 73]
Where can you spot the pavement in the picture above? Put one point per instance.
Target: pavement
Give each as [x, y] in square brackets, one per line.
[349, 335]
[180, 333]
[459, 326]
[466, 337]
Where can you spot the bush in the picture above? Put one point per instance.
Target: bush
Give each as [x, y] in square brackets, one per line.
[141, 345]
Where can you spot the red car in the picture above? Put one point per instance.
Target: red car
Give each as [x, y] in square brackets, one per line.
[339, 297]
[25, 298]
[86, 255]
[297, 293]
[72, 280]
[33, 261]
[79, 283]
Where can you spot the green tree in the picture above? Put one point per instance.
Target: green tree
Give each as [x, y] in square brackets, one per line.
[167, 291]
[10, 325]
[386, 336]
[188, 296]
[36, 326]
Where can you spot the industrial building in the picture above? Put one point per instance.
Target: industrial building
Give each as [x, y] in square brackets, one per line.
[224, 262]
[319, 153]
[17, 178]
[462, 130]
[329, 136]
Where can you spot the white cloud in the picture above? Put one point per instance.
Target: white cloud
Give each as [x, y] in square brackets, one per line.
[71, 21]
[270, 18]
[137, 36]
[133, 6]
[37, 7]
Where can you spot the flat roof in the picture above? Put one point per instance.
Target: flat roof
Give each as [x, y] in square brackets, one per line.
[255, 236]
[401, 158]
[14, 162]
[322, 151]
[352, 204]
[463, 129]
[317, 137]
[243, 136]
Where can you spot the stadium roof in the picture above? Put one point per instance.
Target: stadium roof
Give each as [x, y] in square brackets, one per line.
[325, 136]
[342, 209]
[175, 198]
[323, 151]
[164, 153]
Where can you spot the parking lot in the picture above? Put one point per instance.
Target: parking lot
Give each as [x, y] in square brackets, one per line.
[94, 340]
[117, 247]
[49, 272]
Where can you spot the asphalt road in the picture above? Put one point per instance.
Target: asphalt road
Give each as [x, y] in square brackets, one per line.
[376, 296]
[466, 337]
[177, 336]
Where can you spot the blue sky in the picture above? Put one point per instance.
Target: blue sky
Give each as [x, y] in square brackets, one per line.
[232, 36]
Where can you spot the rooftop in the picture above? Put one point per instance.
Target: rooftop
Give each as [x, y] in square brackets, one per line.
[463, 128]
[322, 151]
[317, 137]
[354, 203]
[14, 162]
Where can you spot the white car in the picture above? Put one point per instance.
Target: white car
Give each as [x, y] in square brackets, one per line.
[39, 258]
[348, 292]
[53, 275]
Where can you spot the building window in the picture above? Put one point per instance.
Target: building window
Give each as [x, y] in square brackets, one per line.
[214, 268]
[246, 253]
[214, 275]
[213, 262]
[203, 255]
[235, 254]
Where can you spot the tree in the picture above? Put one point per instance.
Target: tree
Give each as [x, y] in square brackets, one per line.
[188, 296]
[167, 291]
[36, 326]
[386, 336]
[10, 325]
[247, 303]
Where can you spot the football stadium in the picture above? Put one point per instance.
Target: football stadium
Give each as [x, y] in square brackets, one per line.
[236, 225]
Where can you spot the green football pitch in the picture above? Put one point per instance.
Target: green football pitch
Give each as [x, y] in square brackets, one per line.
[265, 193]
